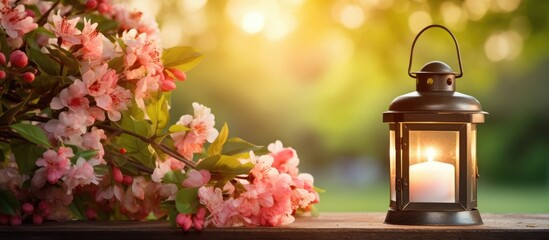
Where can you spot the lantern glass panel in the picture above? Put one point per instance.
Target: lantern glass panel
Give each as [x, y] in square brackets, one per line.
[473, 176]
[433, 166]
[392, 163]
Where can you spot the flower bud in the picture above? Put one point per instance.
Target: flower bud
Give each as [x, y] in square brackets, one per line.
[2, 59]
[19, 59]
[30, 13]
[91, 214]
[167, 85]
[117, 174]
[28, 77]
[44, 208]
[37, 219]
[184, 221]
[91, 4]
[15, 220]
[4, 219]
[179, 75]
[27, 208]
[103, 8]
[127, 180]
[2, 74]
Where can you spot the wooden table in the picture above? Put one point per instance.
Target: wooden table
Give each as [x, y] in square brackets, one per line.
[326, 226]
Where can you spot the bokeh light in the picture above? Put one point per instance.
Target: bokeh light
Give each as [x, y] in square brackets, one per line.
[318, 74]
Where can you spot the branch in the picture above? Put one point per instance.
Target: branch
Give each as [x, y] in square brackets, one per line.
[44, 17]
[118, 131]
[149, 141]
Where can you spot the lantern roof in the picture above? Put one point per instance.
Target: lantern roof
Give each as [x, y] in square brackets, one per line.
[435, 93]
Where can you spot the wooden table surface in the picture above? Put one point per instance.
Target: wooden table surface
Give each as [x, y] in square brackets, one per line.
[326, 226]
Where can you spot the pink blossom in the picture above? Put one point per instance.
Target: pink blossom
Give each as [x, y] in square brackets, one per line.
[56, 164]
[99, 80]
[162, 167]
[80, 174]
[168, 191]
[138, 187]
[15, 21]
[222, 212]
[117, 99]
[92, 42]
[202, 130]
[196, 178]
[73, 97]
[198, 219]
[262, 170]
[92, 140]
[280, 213]
[70, 124]
[10, 177]
[65, 29]
[247, 203]
[142, 51]
[184, 221]
[285, 159]
[134, 19]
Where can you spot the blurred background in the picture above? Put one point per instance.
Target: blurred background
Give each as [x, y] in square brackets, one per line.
[317, 75]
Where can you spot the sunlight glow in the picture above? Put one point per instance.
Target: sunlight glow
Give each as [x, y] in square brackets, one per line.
[505, 5]
[274, 19]
[253, 22]
[352, 16]
[503, 46]
[188, 6]
[476, 8]
[451, 13]
[170, 33]
[418, 20]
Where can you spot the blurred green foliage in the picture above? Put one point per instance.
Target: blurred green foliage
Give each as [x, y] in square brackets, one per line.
[318, 74]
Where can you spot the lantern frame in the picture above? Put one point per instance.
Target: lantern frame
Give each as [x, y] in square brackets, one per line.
[434, 107]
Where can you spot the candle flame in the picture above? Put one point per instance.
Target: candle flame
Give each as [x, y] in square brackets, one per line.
[430, 154]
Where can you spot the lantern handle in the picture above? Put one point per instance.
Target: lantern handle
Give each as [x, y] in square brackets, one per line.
[455, 41]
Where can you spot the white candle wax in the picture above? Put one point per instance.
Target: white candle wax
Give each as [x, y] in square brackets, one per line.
[432, 181]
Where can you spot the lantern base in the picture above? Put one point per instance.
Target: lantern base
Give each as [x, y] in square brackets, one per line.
[441, 218]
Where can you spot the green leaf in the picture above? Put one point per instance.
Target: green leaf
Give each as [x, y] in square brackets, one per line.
[169, 206]
[186, 200]
[117, 64]
[178, 128]
[237, 146]
[175, 177]
[26, 155]
[72, 65]
[181, 57]
[136, 148]
[229, 167]
[32, 133]
[86, 154]
[319, 190]
[8, 116]
[76, 212]
[8, 203]
[45, 64]
[158, 112]
[217, 145]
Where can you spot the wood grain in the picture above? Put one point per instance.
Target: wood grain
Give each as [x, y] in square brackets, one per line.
[326, 226]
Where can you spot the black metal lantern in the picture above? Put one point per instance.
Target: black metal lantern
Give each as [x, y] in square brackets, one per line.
[433, 164]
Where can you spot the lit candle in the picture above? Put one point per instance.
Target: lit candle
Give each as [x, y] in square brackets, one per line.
[432, 181]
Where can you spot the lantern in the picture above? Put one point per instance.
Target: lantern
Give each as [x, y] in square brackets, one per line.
[433, 164]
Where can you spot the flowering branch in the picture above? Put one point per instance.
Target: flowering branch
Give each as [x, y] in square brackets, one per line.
[151, 142]
[84, 129]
